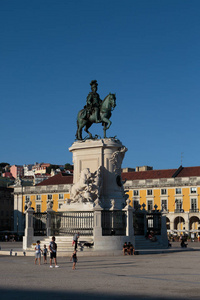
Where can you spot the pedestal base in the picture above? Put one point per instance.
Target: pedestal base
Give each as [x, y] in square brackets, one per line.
[108, 155]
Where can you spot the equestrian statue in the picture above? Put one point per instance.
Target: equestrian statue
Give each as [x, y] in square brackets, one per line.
[95, 111]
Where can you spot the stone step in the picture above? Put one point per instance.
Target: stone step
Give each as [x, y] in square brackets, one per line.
[63, 243]
[142, 243]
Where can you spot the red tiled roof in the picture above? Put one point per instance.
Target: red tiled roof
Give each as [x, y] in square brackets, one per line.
[64, 178]
[156, 174]
[61, 178]
[45, 165]
[152, 174]
[189, 172]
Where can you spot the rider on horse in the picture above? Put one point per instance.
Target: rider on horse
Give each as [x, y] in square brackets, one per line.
[93, 102]
[95, 111]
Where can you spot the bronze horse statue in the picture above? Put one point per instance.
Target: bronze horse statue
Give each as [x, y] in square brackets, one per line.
[106, 106]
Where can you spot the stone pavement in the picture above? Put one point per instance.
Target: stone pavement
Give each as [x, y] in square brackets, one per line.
[17, 249]
[161, 276]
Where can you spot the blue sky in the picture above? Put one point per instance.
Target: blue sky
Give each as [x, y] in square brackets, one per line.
[147, 52]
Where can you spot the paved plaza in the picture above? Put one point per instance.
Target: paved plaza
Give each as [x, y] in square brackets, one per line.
[159, 276]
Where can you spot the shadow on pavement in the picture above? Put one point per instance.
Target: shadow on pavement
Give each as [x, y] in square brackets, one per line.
[32, 295]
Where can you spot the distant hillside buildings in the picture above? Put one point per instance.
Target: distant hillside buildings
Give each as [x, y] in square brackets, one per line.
[23, 176]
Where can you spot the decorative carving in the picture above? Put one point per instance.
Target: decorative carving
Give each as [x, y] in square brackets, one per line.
[112, 204]
[143, 206]
[128, 201]
[88, 188]
[156, 207]
[49, 204]
[28, 204]
[18, 181]
[116, 161]
[117, 158]
[163, 208]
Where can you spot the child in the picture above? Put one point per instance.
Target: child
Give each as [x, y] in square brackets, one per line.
[38, 252]
[45, 254]
[75, 259]
[53, 250]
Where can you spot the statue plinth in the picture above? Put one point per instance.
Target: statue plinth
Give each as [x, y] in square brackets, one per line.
[104, 156]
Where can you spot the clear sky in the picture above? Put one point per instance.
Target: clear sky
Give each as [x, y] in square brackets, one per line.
[145, 51]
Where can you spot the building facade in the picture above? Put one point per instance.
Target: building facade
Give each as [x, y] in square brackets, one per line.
[40, 168]
[28, 170]
[6, 209]
[175, 192]
[17, 171]
[56, 188]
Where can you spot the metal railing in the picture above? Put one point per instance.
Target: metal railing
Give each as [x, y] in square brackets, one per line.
[113, 222]
[39, 223]
[69, 223]
[179, 210]
[138, 223]
[194, 210]
[154, 223]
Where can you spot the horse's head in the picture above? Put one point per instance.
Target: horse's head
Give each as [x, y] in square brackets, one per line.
[109, 102]
[112, 99]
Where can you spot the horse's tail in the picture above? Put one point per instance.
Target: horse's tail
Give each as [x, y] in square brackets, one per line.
[76, 135]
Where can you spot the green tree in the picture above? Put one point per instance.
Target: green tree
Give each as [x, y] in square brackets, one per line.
[54, 167]
[2, 165]
[69, 166]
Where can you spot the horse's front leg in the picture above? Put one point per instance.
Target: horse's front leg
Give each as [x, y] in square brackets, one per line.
[107, 124]
[87, 126]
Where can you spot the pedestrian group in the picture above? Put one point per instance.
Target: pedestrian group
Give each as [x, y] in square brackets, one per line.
[53, 251]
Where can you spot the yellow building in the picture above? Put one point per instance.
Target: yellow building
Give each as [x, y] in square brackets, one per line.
[56, 188]
[176, 192]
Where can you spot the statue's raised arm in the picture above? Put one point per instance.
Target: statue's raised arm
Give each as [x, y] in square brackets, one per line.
[95, 111]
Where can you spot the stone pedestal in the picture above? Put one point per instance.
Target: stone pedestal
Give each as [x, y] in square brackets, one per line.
[49, 211]
[164, 231]
[129, 220]
[97, 230]
[104, 156]
[107, 154]
[29, 230]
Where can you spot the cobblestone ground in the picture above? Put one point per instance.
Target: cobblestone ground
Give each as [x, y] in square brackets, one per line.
[161, 276]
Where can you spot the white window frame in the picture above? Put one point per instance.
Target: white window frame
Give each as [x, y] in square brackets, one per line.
[193, 190]
[134, 201]
[196, 204]
[38, 206]
[179, 203]
[163, 190]
[149, 192]
[61, 198]
[176, 191]
[166, 208]
[148, 205]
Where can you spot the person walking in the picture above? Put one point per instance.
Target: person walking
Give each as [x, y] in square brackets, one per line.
[75, 259]
[38, 253]
[45, 251]
[75, 240]
[53, 250]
